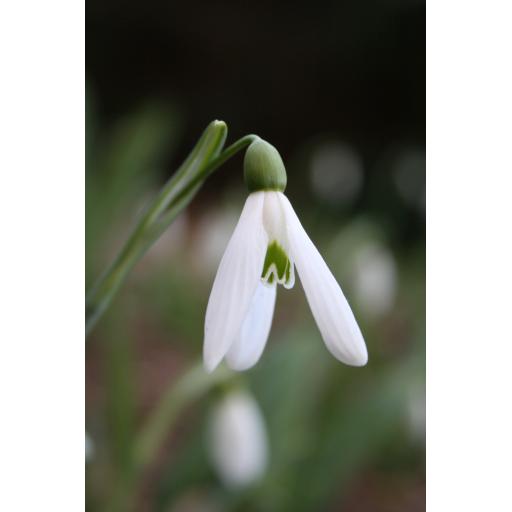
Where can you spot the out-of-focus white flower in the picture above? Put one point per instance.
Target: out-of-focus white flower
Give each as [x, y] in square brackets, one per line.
[89, 448]
[238, 440]
[336, 172]
[267, 244]
[416, 412]
[375, 279]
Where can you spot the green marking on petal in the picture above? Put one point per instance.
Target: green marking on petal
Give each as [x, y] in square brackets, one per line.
[287, 271]
[277, 266]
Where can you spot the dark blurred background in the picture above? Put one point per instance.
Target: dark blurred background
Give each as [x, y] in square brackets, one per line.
[339, 89]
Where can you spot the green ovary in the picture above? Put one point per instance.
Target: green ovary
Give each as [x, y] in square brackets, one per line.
[276, 257]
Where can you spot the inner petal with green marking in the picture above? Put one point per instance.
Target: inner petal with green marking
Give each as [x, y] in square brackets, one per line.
[277, 267]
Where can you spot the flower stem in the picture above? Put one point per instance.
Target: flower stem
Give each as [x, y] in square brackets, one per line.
[172, 199]
[191, 386]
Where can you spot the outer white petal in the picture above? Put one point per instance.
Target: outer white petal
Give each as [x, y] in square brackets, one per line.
[248, 346]
[236, 280]
[332, 313]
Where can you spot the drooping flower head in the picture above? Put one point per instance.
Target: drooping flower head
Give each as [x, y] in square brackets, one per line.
[268, 244]
[238, 440]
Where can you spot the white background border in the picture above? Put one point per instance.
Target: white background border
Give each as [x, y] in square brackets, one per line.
[469, 256]
[42, 386]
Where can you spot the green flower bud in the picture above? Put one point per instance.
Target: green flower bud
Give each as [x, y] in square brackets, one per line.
[263, 167]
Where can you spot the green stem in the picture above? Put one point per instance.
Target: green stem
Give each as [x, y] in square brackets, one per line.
[188, 193]
[173, 198]
[190, 387]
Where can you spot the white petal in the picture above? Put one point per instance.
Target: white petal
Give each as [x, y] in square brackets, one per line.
[237, 277]
[332, 313]
[248, 346]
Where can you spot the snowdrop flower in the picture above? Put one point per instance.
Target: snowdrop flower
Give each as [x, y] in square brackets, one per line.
[375, 279]
[238, 440]
[267, 245]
